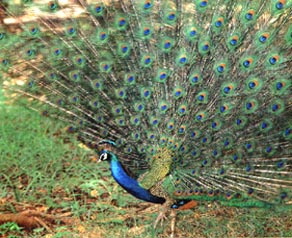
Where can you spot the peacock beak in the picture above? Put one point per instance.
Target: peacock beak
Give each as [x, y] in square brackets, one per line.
[96, 159]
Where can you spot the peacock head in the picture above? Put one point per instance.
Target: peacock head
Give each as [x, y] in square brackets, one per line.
[104, 151]
[104, 156]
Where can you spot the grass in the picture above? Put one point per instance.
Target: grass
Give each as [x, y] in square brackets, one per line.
[43, 169]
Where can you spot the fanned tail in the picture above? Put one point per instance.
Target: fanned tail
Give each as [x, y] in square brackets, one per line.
[206, 82]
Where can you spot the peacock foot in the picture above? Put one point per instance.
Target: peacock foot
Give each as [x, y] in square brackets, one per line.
[162, 216]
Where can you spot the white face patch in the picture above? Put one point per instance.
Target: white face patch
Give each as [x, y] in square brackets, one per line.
[103, 157]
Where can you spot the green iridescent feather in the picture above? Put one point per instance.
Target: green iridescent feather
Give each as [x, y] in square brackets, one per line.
[196, 95]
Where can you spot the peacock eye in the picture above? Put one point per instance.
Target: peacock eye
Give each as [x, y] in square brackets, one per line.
[103, 157]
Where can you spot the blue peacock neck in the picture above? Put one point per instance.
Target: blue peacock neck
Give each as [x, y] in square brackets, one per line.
[130, 184]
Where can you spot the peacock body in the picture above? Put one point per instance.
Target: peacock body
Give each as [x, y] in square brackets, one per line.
[187, 99]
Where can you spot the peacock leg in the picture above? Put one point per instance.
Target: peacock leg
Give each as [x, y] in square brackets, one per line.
[162, 214]
[173, 222]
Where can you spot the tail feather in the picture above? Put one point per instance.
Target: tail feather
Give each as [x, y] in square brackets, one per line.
[208, 80]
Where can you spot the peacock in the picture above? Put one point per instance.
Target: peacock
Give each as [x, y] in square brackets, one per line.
[188, 100]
